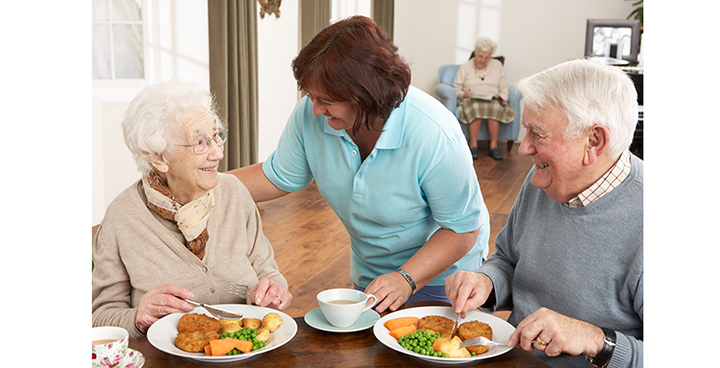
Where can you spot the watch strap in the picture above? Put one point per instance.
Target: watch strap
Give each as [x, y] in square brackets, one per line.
[408, 279]
[603, 358]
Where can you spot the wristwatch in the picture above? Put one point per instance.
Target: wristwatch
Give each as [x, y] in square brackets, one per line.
[603, 358]
[408, 279]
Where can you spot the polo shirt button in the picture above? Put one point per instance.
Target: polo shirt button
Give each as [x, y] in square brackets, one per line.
[358, 176]
[354, 152]
[205, 269]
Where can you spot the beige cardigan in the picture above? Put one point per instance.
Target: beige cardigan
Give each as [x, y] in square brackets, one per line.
[493, 85]
[136, 250]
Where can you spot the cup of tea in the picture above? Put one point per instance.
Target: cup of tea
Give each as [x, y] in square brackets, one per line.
[342, 307]
[109, 345]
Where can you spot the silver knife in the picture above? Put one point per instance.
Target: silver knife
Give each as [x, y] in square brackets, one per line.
[454, 330]
[217, 312]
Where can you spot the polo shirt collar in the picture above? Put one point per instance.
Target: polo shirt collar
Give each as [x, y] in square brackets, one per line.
[393, 130]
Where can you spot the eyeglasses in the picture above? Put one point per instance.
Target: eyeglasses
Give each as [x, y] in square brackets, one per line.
[203, 144]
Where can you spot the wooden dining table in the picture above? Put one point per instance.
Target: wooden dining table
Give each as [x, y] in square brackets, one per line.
[317, 349]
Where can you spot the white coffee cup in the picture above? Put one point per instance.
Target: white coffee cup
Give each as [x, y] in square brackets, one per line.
[109, 346]
[342, 307]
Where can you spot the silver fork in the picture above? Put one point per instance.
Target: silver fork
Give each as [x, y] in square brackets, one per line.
[239, 290]
[479, 341]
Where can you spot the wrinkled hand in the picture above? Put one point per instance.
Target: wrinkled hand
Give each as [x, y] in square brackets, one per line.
[468, 93]
[270, 293]
[161, 301]
[391, 290]
[467, 291]
[503, 102]
[557, 334]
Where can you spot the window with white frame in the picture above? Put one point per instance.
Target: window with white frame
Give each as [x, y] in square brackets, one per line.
[117, 40]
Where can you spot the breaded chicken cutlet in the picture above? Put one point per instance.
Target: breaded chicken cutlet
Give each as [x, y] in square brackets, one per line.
[472, 329]
[440, 324]
[195, 341]
[198, 322]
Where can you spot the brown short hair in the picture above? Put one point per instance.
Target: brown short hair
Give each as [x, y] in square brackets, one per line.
[354, 60]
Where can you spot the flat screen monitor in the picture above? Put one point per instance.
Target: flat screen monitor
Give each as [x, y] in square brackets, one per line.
[604, 38]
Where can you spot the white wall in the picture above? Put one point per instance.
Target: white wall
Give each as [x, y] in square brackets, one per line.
[532, 35]
[178, 48]
[277, 46]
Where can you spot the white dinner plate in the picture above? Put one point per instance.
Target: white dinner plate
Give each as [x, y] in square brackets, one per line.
[163, 332]
[316, 319]
[501, 332]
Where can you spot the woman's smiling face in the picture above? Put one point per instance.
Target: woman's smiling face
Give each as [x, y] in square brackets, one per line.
[189, 176]
[340, 114]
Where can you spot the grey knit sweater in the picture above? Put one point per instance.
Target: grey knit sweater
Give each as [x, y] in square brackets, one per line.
[585, 263]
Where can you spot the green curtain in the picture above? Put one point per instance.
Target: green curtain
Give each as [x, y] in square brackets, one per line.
[233, 76]
[383, 13]
[315, 14]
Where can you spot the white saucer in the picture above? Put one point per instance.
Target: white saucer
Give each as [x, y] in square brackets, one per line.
[132, 359]
[317, 320]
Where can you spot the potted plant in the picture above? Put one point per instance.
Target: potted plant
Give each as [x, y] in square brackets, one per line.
[637, 13]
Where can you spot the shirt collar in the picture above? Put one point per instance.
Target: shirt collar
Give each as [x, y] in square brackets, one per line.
[609, 181]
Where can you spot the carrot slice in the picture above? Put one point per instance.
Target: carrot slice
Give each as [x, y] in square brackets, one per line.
[400, 322]
[402, 331]
[222, 347]
[207, 350]
[244, 346]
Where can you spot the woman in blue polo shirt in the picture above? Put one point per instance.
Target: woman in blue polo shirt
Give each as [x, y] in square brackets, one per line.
[390, 160]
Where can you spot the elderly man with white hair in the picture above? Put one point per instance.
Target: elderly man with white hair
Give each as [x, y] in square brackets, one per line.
[569, 262]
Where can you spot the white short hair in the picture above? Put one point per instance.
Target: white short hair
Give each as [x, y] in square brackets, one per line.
[154, 112]
[589, 93]
[485, 44]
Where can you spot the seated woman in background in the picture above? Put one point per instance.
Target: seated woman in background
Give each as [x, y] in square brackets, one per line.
[183, 230]
[483, 94]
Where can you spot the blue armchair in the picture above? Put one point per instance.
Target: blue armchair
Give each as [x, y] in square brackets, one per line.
[447, 95]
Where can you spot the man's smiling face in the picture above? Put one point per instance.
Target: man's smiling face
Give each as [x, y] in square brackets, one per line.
[558, 158]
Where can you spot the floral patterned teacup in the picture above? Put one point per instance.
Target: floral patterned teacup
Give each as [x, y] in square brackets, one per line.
[109, 346]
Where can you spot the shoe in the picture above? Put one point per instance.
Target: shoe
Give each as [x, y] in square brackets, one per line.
[495, 153]
[474, 153]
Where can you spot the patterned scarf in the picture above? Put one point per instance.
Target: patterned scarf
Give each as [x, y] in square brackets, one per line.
[191, 218]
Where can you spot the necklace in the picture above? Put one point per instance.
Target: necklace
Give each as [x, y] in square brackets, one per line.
[477, 73]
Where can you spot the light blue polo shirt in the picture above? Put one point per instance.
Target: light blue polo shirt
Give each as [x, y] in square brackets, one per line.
[418, 178]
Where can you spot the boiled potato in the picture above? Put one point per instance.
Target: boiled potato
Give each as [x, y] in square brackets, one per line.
[272, 321]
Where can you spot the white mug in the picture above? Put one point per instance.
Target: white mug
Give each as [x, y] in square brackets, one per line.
[342, 307]
[109, 346]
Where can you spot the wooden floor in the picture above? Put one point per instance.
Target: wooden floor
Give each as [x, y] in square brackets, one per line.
[312, 247]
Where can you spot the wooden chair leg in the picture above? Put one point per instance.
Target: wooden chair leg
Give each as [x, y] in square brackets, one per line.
[510, 145]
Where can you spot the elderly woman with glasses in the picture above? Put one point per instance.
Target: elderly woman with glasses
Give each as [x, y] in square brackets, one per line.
[483, 95]
[183, 230]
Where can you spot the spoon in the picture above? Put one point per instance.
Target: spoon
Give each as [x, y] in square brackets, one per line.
[217, 312]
